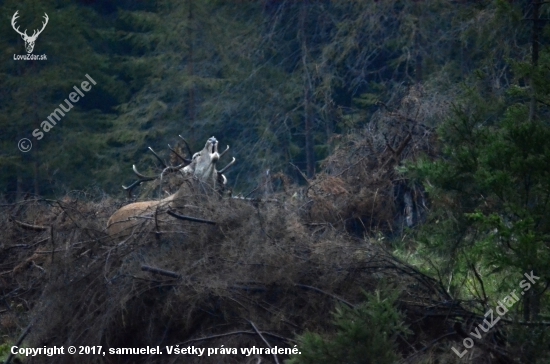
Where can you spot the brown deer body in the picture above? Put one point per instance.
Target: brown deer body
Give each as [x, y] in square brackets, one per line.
[201, 169]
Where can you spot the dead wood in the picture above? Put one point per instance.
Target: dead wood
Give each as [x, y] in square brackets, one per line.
[163, 272]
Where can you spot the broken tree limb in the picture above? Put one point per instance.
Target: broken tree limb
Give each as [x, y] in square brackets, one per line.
[163, 272]
[403, 145]
[18, 343]
[326, 293]
[301, 173]
[254, 199]
[263, 338]
[239, 332]
[30, 226]
[189, 218]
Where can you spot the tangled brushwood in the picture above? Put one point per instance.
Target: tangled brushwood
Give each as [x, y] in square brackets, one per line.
[259, 276]
[219, 272]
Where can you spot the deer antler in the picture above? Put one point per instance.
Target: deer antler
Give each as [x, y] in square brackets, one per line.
[199, 172]
[15, 16]
[166, 168]
[185, 160]
[222, 153]
[158, 157]
[186, 145]
[29, 40]
[227, 166]
[142, 178]
[35, 33]
[43, 25]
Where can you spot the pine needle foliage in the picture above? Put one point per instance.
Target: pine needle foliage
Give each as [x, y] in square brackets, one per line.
[490, 195]
[365, 334]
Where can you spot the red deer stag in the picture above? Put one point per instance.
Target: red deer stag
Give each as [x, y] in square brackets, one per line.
[201, 168]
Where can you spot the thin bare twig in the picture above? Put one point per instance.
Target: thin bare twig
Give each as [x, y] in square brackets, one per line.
[325, 293]
[30, 226]
[301, 173]
[189, 218]
[240, 332]
[163, 272]
[478, 277]
[265, 341]
[18, 343]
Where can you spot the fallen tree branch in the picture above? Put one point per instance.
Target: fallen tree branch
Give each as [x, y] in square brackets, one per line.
[18, 343]
[429, 345]
[30, 226]
[22, 246]
[163, 272]
[37, 266]
[265, 341]
[49, 251]
[189, 218]
[254, 199]
[301, 173]
[240, 332]
[403, 145]
[325, 293]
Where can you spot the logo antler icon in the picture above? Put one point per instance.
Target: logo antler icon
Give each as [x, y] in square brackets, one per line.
[29, 41]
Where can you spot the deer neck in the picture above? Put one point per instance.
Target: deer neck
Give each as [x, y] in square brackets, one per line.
[177, 198]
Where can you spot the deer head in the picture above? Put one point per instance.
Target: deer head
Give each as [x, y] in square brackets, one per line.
[203, 165]
[200, 169]
[29, 40]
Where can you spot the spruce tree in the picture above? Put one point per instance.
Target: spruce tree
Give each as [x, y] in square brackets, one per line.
[33, 90]
[364, 334]
[490, 194]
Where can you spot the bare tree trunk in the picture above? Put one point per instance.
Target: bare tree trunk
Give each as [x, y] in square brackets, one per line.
[532, 298]
[36, 179]
[418, 67]
[417, 41]
[308, 124]
[191, 71]
[329, 125]
[36, 175]
[310, 157]
[19, 187]
[535, 36]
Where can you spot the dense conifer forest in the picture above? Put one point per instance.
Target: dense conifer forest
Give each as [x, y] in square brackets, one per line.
[389, 200]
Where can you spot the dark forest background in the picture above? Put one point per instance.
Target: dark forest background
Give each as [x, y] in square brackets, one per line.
[277, 80]
[300, 89]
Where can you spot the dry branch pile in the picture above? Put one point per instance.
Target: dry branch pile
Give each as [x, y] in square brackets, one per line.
[360, 188]
[260, 274]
